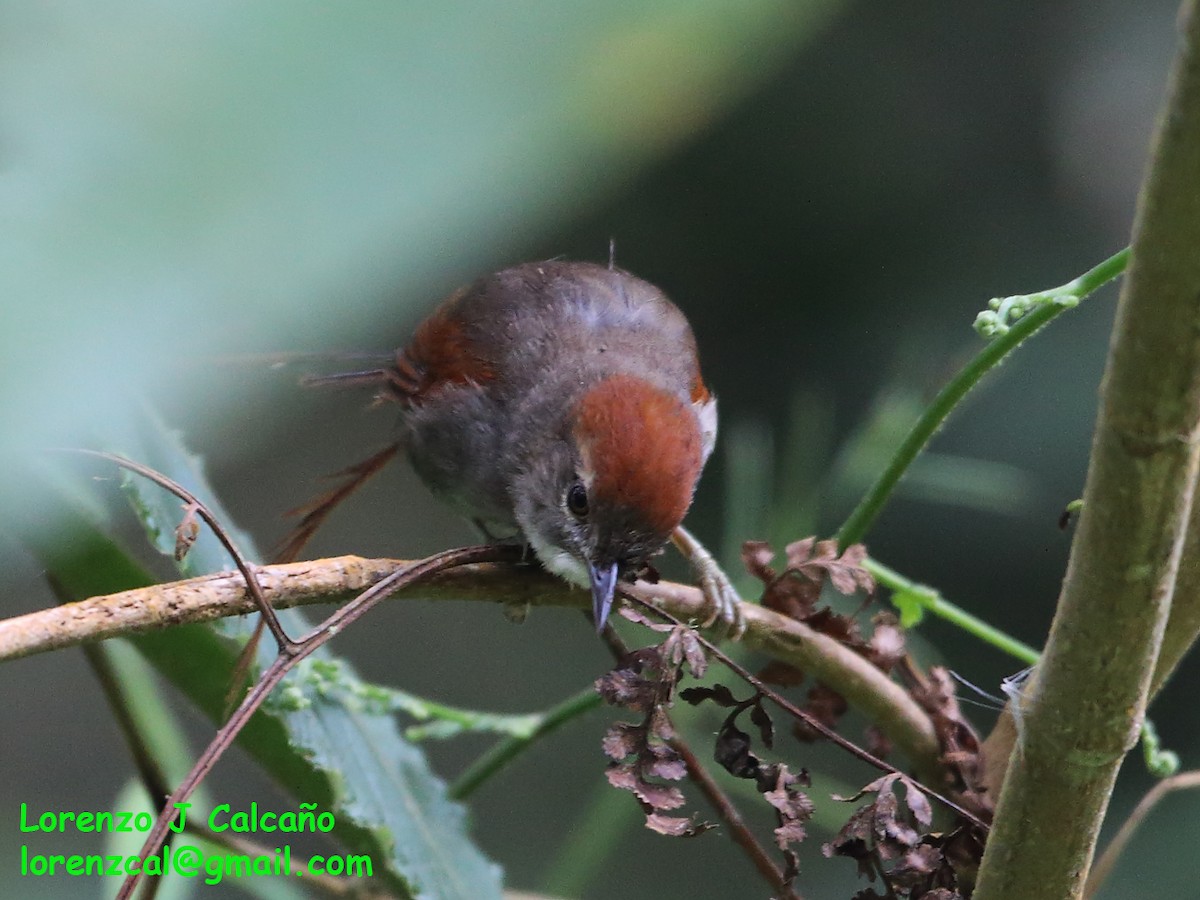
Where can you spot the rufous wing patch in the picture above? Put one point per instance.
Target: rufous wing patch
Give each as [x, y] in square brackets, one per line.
[440, 352]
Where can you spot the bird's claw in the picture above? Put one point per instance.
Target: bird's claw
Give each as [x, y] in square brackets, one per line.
[721, 597]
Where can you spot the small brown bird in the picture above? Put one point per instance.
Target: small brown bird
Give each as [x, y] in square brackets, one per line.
[560, 405]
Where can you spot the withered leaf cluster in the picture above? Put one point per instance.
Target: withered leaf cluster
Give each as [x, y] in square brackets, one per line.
[644, 760]
[891, 840]
[961, 755]
[796, 592]
[887, 839]
[779, 786]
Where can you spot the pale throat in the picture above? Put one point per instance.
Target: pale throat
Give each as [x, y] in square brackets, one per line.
[561, 562]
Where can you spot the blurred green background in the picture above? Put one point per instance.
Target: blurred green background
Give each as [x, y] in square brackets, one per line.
[830, 190]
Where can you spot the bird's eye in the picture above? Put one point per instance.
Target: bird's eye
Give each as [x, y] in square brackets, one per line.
[577, 500]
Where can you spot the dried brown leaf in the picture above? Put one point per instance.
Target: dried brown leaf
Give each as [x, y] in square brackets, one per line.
[935, 692]
[825, 705]
[658, 725]
[659, 796]
[693, 652]
[887, 644]
[792, 831]
[916, 867]
[718, 694]
[637, 616]
[621, 740]
[625, 687]
[918, 804]
[841, 628]
[683, 645]
[733, 753]
[187, 531]
[756, 557]
[847, 573]
[673, 826]
[781, 673]
[670, 769]
[800, 554]
[766, 728]
[621, 776]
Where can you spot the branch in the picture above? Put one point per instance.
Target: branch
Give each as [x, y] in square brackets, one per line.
[1184, 625]
[1082, 711]
[204, 599]
[1185, 781]
[289, 655]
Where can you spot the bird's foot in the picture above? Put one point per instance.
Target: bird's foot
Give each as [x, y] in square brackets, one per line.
[722, 598]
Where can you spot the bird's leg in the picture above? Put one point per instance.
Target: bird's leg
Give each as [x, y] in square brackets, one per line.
[516, 611]
[718, 590]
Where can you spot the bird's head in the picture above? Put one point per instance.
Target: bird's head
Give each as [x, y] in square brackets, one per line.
[607, 495]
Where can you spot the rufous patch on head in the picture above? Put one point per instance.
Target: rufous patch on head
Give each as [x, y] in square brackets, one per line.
[642, 447]
[441, 352]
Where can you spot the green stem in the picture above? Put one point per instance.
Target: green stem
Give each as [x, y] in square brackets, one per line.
[504, 751]
[1160, 762]
[441, 721]
[1046, 306]
[933, 602]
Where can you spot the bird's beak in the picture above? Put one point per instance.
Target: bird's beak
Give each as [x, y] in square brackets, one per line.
[604, 582]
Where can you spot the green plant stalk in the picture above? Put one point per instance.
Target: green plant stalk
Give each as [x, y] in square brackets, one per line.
[1083, 710]
[1160, 763]
[934, 603]
[589, 843]
[504, 751]
[1049, 304]
[439, 721]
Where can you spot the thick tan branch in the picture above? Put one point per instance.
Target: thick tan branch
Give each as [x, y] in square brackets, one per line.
[1083, 709]
[337, 579]
[1184, 625]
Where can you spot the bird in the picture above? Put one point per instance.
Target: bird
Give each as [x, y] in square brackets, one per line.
[559, 405]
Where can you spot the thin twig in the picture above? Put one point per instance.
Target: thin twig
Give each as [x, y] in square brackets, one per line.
[284, 642]
[728, 813]
[331, 885]
[282, 664]
[1108, 859]
[151, 774]
[157, 787]
[153, 778]
[725, 808]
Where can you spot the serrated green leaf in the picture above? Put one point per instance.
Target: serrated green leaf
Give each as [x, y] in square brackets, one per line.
[315, 735]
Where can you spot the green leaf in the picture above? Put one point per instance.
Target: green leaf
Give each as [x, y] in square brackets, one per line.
[315, 735]
[911, 606]
[233, 163]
